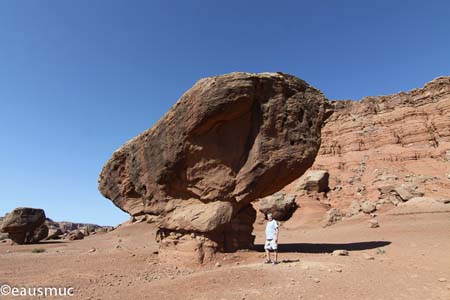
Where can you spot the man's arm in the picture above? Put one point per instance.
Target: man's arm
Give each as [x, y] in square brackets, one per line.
[278, 232]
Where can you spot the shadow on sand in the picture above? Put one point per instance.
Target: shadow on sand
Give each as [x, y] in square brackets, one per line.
[52, 242]
[325, 248]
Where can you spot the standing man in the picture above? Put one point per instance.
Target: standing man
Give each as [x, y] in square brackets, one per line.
[272, 230]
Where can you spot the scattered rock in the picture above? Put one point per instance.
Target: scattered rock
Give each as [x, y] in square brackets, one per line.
[368, 256]
[421, 205]
[368, 207]
[353, 209]
[442, 279]
[92, 250]
[331, 217]
[340, 252]
[443, 200]
[373, 223]
[217, 265]
[338, 188]
[315, 181]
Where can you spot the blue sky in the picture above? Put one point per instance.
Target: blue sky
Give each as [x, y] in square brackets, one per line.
[79, 78]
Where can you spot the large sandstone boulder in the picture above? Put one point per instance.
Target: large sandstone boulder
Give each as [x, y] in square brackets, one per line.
[25, 225]
[229, 140]
[280, 205]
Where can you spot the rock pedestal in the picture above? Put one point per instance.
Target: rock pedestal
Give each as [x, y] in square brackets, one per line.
[228, 141]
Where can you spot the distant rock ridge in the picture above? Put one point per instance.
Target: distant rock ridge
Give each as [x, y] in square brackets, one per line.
[407, 118]
[25, 225]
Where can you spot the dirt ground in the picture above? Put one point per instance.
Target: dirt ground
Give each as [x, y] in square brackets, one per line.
[408, 258]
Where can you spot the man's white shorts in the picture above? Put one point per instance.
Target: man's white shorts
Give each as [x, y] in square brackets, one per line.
[271, 245]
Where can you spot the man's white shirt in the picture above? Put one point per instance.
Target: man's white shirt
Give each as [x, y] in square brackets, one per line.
[271, 230]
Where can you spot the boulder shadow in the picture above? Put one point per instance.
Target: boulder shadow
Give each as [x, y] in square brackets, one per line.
[325, 248]
[53, 242]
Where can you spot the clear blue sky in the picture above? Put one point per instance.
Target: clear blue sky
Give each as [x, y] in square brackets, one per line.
[79, 78]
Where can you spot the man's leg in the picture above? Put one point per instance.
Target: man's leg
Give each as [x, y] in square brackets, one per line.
[276, 255]
[267, 255]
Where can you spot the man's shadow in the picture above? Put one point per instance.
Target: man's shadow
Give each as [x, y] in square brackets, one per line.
[325, 248]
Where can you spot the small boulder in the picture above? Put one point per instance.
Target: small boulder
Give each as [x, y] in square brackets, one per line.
[368, 207]
[373, 223]
[75, 235]
[331, 216]
[281, 206]
[340, 252]
[443, 200]
[354, 208]
[407, 192]
[54, 234]
[315, 181]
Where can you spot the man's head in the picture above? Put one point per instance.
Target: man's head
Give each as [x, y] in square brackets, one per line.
[269, 217]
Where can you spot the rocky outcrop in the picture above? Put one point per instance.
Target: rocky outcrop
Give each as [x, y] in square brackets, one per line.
[58, 230]
[380, 147]
[25, 225]
[280, 205]
[229, 140]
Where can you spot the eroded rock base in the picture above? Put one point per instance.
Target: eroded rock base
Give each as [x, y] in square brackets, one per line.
[194, 248]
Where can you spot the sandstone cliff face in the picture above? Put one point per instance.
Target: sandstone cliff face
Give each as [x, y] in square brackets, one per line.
[377, 144]
[228, 141]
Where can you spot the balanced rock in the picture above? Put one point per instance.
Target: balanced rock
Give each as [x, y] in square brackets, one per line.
[25, 225]
[280, 205]
[228, 141]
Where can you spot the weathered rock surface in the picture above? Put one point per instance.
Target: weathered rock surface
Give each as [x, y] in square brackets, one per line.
[368, 207]
[75, 235]
[332, 216]
[381, 144]
[280, 205]
[25, 225]
[422, 205]
[315, 180]
[57, 230]
[229, 140]
[353, 209]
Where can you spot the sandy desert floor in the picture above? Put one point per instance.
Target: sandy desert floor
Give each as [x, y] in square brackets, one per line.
[411, 260]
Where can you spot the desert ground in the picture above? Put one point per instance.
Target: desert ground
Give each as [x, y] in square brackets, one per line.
[407, 257]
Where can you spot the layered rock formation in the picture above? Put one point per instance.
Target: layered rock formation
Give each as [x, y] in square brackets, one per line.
[386, 150]
[229, 140]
